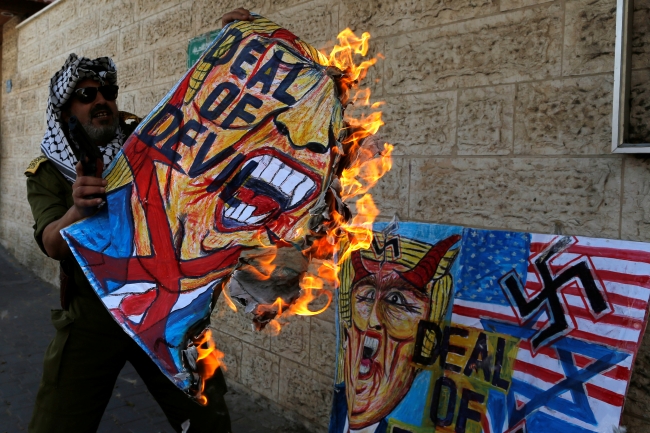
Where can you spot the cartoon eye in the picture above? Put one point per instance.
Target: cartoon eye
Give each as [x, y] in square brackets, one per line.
[366, 296]
[396, 298]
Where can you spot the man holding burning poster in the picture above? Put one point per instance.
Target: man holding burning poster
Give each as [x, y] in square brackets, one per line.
[224, 171]
[224, 166]
[89, 349]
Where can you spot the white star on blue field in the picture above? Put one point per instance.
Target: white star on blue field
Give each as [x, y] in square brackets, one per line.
[486, 256]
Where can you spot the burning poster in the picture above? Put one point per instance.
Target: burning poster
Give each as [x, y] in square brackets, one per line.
[238, 169]
[452, 329]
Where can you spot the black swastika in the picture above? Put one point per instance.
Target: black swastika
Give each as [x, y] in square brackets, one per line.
[389, 243]
[548, 296]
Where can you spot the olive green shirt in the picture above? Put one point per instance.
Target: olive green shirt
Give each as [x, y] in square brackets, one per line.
[50, 196]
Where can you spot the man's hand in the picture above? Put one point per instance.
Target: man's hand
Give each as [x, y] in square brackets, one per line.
[54, 244]
[240, 14]
[86, 186]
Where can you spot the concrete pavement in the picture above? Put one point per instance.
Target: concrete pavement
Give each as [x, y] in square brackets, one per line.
[25, 332]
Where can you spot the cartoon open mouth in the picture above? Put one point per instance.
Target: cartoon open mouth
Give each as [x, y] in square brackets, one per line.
[266, 186]
[370, 349]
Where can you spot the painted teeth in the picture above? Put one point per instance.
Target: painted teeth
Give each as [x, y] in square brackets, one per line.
[363, 368]
[288, 187]
[244, 214]
[271, 170]
[292, 183]
[301, 190]
[372, 344]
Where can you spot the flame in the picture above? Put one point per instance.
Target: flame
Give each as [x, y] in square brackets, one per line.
[342, 55]
[365, 163]
[327, 271]
[278, 304]
[308, 284]
[229, 301]
[273, 327]
[264, 266]
[362, 97]
[359, 232]
[356, 179]
[277, 307]
[207, 362]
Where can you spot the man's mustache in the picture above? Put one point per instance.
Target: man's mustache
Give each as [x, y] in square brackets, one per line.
[100, 107]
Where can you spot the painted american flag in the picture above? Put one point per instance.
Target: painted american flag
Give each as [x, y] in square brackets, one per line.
[569, 378]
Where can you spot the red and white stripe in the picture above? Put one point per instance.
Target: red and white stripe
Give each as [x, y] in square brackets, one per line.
[623, 270]
[624, 273]
[605, 391]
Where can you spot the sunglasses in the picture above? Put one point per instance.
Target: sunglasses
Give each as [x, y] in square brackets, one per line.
[86, 95]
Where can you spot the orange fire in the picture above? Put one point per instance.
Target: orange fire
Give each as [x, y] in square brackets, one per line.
[208, 360]
[277, 307]
[342, 55]
[229, 301]
[361, 174]
[264, 266]
[274, 327]
[309, 284]
[343, 237]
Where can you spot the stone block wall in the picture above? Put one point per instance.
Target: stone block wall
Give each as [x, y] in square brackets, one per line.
[500, 111]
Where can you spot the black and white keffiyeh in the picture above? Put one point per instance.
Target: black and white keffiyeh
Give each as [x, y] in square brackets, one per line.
[55, 144]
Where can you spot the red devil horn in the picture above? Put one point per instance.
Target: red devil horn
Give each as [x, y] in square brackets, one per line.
[426, 268]
[360, 270]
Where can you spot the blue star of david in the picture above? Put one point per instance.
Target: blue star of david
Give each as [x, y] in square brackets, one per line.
[574, 381]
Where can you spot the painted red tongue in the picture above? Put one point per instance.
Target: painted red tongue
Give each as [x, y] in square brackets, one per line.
[263, 203]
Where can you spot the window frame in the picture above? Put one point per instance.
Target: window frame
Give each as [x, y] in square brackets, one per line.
[622, 81]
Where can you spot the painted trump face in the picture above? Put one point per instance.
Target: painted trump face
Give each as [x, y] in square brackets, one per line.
[388, 300]
[255, 151]
[385, 314]
[233, 157]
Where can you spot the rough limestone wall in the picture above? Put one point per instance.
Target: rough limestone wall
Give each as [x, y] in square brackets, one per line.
[500, 110]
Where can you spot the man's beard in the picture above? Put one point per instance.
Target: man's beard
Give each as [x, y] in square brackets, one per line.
[102, 135]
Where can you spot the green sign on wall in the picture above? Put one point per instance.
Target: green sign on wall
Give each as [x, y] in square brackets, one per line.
[197, 46]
